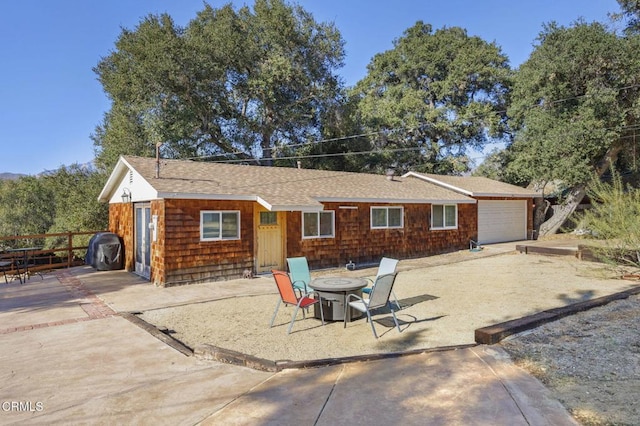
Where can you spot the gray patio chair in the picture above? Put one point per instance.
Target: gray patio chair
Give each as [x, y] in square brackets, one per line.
[387, 266]
[378, 298]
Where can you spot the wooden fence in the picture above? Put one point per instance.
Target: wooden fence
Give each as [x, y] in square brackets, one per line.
[50, 251]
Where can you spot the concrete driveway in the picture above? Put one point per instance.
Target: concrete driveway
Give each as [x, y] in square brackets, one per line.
[68, 357]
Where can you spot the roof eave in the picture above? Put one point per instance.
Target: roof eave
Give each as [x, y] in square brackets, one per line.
[439, 183]
[470, 193]
[115, 177]
[396, 200]
[504, 194]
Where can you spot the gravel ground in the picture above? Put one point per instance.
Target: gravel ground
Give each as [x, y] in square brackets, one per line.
[590, 361]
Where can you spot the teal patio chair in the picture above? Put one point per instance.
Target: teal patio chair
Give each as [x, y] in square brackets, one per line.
[299, 273]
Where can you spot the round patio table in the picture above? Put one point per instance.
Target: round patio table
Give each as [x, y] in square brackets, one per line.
[333, 292]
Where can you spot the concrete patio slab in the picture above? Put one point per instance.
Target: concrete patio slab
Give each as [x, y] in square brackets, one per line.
[108, 371]
[73, 360]
[465, 387]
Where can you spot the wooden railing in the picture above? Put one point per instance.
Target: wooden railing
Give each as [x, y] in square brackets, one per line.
[61, 250]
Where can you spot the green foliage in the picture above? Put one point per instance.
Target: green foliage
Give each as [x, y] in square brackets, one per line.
[75, 196]
[344, 146]
[630, 10]
[495, 166]
[63, 201]
[433, 96]
[613, 219]
[231, 82]
[26, 208]
[573, 104]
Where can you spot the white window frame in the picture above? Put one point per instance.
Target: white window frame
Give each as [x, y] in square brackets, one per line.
[386, 208]
[219, 237]
[444, 217]
[333, 224]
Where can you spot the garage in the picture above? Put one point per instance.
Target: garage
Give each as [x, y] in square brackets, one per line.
[502, 220]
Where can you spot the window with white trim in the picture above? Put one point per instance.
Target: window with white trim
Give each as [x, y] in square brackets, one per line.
[219, 225]
[387, 217]
[318, 224]
[444, 216]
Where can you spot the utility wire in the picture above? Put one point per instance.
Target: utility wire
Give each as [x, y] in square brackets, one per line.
[335, 154]
[342, 138]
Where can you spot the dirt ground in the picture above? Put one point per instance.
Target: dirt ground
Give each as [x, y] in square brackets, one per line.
[590, 360]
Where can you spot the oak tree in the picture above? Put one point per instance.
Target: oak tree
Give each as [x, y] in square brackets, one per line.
[575, 108]
[232, 84]
[434, 96]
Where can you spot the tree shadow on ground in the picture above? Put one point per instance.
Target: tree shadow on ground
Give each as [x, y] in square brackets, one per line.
[583, 296]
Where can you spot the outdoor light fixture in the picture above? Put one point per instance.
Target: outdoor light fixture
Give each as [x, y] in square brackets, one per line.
[126, 195]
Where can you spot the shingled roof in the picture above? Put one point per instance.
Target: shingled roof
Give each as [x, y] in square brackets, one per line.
[277, 188]
[476, 186]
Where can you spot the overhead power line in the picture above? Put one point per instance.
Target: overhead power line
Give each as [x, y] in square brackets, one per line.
[335, 154]
[368, 134]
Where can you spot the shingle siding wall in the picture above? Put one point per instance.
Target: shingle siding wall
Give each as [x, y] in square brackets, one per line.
[188, 260]
[158, 267]
[356, 241]
[179, 257]
[120, 222]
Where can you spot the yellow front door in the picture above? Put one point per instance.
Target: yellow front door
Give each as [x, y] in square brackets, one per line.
[269, 240]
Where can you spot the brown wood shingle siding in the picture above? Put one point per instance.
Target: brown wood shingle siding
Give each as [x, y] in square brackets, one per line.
[356, 241]
[188, 260]
[121, 223]
[179, 257]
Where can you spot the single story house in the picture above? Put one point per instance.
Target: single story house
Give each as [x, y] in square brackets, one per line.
[185, 221]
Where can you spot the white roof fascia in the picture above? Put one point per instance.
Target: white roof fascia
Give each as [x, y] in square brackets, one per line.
[115, 178]
[256, 198]
[395, 200]
[440, 183]
[506, 195]
[125, 176]
[301, 208]
[199, 196]
[469, 201]
[264, 203]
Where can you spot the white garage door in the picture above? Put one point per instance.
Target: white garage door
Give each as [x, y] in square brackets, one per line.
[500, 221]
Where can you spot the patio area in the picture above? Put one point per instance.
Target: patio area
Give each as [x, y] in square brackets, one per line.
[442, 306]
[444, 300]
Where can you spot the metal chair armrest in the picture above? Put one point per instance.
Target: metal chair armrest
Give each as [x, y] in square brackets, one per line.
[351, 295]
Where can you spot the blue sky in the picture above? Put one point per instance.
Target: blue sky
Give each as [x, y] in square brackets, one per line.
[51, 100]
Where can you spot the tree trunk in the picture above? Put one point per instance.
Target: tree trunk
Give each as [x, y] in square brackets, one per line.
[562, 212]
[539, 214]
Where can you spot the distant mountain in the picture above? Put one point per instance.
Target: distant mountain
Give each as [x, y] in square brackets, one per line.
[14, 176]
[88, 167]
[10, 176]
